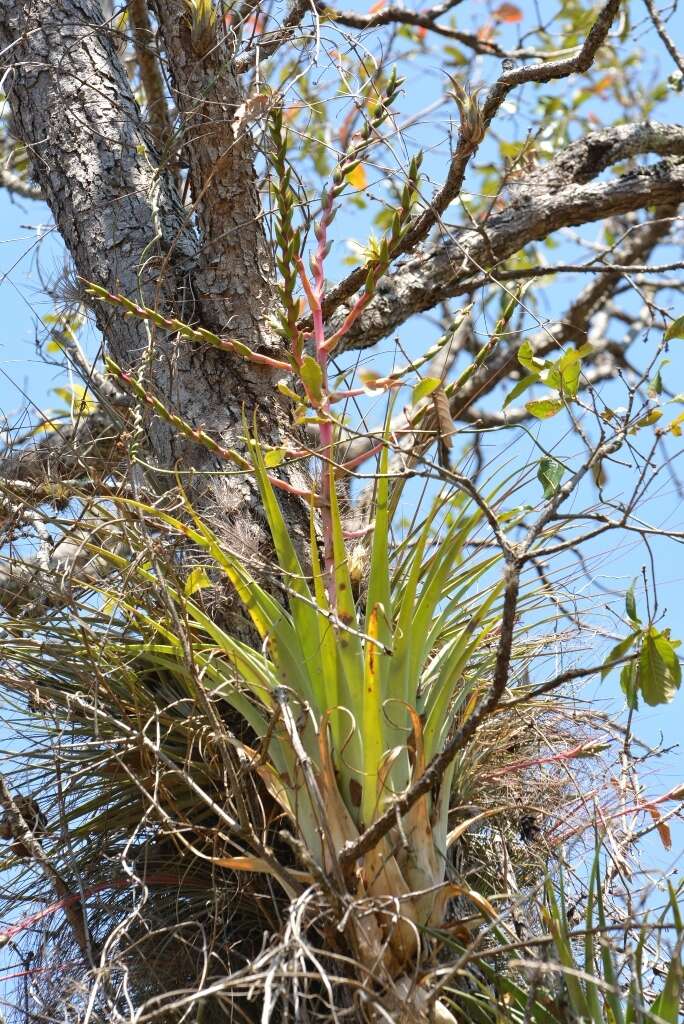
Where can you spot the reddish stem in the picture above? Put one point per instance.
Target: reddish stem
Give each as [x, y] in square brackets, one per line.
[326, 431]
[351, 317]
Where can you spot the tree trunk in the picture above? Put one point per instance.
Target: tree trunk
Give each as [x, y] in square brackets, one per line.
[126, 229]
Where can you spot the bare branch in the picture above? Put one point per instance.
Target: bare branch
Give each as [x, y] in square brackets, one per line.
[70, 451]
[497, 94]
[554, 69]
[73, 910]
[272, 41]
[393, 15]
[429, 278]
[16, 184]
[589, 156]
[659, 26]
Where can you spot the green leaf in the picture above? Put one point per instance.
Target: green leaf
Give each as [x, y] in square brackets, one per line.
[558, 927]
[610, 969]
[630, 605]
[289, 393]
[304, 615]
[666, 650]
[629, 684]
[659, 670]
[655, 386]
[520, 387]
[274, 457]
[648, 420]
[312, 378]
[544, 408]
[590, 988]
[527, 358]
[675, 330]
[570, 365]
[667, 1006]
[349, 646]
[549, 475]
[197, 580]
[618, 652]
[426, 386]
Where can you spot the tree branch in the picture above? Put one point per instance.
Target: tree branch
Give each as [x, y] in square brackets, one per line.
[594, 153]
[272, 41]
[677, 57]
[73, 911]
[393, 15]
[119, 216]
[233, 282]
[16, 184]
[430, 278]
[123, 221]
[452, 186]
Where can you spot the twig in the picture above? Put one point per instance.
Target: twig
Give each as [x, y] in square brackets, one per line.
[658, 25]
[74, 910]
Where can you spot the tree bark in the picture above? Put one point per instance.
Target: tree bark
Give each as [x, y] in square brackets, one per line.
[126, 228]
[234, 276]
[444, 270]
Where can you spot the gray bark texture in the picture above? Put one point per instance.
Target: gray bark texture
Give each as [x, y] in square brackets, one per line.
[537, 209]
[234, 278]
[118, 210]
[115, 200]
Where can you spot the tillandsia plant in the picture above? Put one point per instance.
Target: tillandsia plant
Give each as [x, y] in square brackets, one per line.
[351, 695]
[378, 661]
[370, 695]
[297, 632]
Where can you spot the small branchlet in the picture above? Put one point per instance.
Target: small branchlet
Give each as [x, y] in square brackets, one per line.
[350, 160]
[11, 826]
[129, 383]
[288, 238]
[381, 252]
[196, 434]
[183, 330]
[378, 113]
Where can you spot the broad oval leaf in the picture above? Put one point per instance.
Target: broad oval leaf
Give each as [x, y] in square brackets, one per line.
[197, 580]
[659, 670]
[527, 358]
[630, 605]
[520, 387]
[312, 378]
[544, 408]
[549, 475]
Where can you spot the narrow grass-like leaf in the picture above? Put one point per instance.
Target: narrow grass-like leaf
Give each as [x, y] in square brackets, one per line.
[302, 605]
[591, 990]
[372, 721]
[558, 927]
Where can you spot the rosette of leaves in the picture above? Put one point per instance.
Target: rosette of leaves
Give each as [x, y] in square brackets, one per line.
[345, 705]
